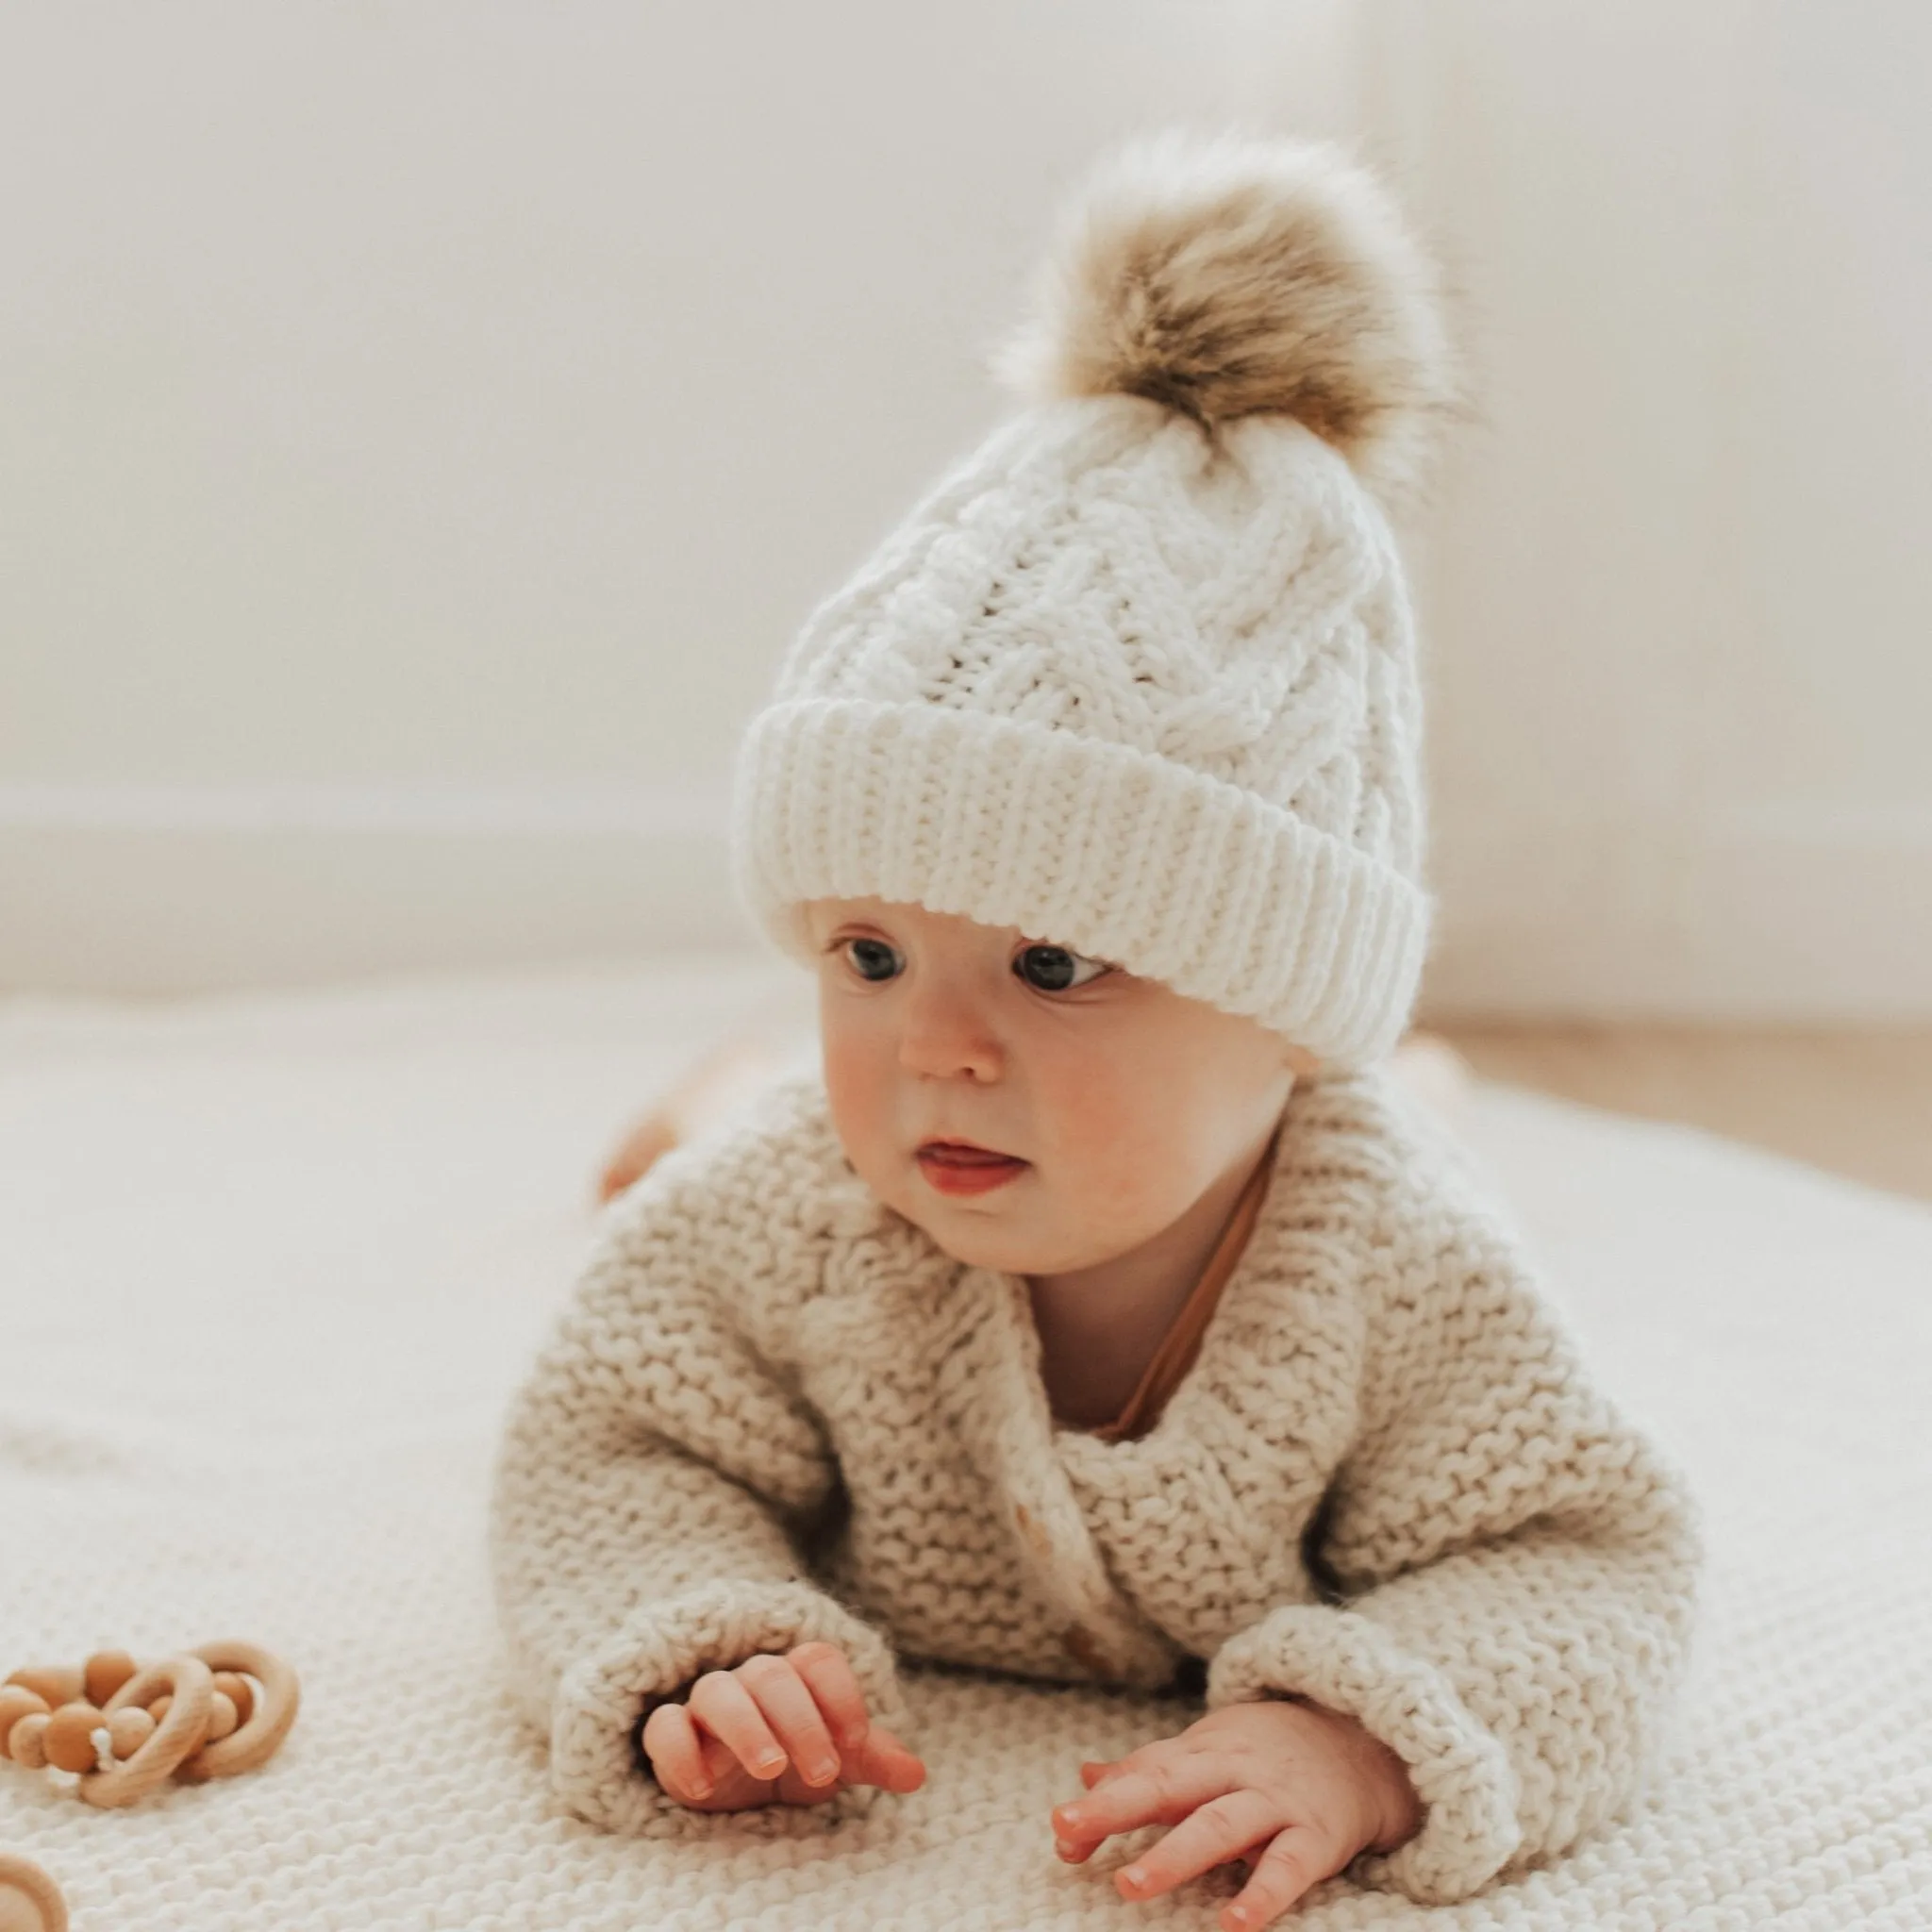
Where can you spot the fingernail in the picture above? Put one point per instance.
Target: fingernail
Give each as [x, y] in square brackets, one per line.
[1070, 1814]
[1135, 1875]
[771, 1764]
[822, 1771]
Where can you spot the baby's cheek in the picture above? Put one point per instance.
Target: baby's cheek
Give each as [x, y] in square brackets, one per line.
[1117, 1193]
[1093, 1110]
[859, 1099]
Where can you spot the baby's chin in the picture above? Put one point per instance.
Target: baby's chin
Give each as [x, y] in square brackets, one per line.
[1004, 1247]
[1002, 1258]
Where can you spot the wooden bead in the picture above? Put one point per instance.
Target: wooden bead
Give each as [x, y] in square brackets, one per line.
[16, 1701]
[235, 1687]
[58, 1683]
[104, 1672]
[69, 1743]
[27, 1741]
[130, 1727]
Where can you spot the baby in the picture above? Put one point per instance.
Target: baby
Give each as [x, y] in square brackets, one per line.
[1100, 1308]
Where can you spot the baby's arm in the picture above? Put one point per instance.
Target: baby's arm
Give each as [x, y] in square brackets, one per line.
[655, 1467]
[1514, 1573]
[1515, 1566]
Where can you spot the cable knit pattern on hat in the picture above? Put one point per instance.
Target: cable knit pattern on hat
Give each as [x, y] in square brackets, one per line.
[1138, 674]
[776, 1410]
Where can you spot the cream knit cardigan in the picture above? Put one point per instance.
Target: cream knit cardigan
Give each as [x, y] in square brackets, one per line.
[776, 1410]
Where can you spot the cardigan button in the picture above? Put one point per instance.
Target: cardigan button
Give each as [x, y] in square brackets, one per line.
[1029, 1524]
[1082, 1645]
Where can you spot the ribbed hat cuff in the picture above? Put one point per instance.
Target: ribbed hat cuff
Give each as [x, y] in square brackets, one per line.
[1117, 853]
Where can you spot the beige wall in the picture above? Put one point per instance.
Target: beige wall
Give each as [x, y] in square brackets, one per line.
[423, 428]
[1680, 588]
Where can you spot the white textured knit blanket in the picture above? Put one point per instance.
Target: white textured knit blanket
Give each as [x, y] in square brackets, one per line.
[269, 1268]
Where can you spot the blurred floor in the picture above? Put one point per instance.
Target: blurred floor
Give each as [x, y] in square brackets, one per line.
[1856, 1101]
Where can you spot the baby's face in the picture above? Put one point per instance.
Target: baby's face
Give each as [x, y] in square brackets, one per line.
[1119, 1101]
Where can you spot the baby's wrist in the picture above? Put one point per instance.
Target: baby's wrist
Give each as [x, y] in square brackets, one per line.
[1396, 1810]
[1393, 1812]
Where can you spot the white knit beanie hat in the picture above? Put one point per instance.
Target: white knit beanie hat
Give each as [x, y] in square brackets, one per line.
[1138, 676]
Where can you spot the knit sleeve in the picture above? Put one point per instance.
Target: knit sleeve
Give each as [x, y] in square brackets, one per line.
[1511, 1571]
[657, 1476]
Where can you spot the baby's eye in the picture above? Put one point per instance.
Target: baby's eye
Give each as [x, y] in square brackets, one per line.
[874, 959]
[1053, 969]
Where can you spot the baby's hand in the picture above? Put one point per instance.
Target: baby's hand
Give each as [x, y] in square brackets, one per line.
[1291, 1789]
[794, 1728]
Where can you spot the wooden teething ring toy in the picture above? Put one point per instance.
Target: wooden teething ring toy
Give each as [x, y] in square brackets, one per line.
[123, 1727]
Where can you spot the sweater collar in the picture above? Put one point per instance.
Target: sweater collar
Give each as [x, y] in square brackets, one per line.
[991, 1387]
[995, 1397]
[976, 1326]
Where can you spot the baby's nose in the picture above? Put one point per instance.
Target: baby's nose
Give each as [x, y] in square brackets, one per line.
[946, 1040]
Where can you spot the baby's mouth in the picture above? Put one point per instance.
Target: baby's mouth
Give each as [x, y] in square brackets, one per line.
[960, 1167]
[965, 1154]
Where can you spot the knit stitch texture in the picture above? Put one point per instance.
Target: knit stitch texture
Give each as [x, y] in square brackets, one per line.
[1151, 698]
[776, 1410]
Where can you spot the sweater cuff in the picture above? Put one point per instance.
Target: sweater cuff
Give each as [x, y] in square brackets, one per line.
[1351, 1664]
[660, 1650]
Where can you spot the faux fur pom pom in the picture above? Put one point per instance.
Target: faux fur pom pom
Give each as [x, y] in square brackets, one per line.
[1237, 275]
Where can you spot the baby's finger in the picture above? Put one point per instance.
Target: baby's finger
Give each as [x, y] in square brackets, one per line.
[1093, 1770]
[882, 1759]
[1297, 1859]
[834, 1686]
[789, 1707]
[726, 1709]
[1211, 1835]
[671, 1741]
[1161, 1792]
